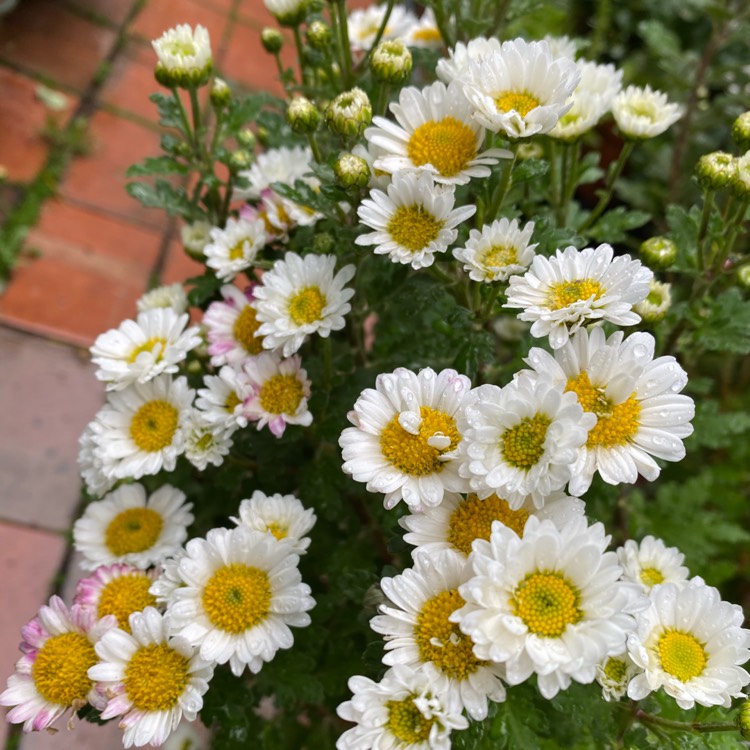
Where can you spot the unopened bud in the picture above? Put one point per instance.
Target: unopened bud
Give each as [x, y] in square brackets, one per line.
[656, 304]
[302, 115]
[716, 170]
[349, 113]
[659, 252]
[743, 276]
[195, 237]
[741, 131]
[272, 40]
[319, 35]
[351, 171]
[322, 243]
[240, 159]
[741, 181]
[263, 136]
[221, 94]
[391, 62]
[743, 719]
[246, 138]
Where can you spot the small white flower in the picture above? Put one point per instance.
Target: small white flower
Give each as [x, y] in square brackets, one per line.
[644, 113]
[206, 443]
[561, 46]
[196, 236]
[97, 483]
[425, 33]
[127, 526]
[287, 12]
[412, 221]
[651, 562]
[657, 302]
[221, 402]
[457, 62]
[691, 644]
[561, 293]
[614, 675]
[170, 295]
[300, 296]
[233, 249]
[363, 25]
[182, 51]
[232, 327]
[139, 350]
[497, 251]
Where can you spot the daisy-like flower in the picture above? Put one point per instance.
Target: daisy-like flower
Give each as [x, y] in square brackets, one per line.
[233, 249]
[170, 295]
[401, 711]
[300, 296]
[117, 590]
[458, 520]
[153, 681]
[642, 113]
[692, 645]
[127, 526]
[561, 46]
[405, 434]
[139, 350]
[457, 63]
[413, 220]
[51, 677]
[550, 603]
[435, 133]
[521, 441]
[97, 483]
[280, 390]
[614, 674]
[425, 33]
[233, 327]
[243, 590]
[282, 516]
[636, 399]
[363, 25]
[141, 430]
[221, 401]
[651, 562]
[195, 237]
[657, 302]
[520, 90]
[184, 56]
[419, 634]
[560, 294]
[167, 579]
[497, 251]
[287, 12]
[206, 443]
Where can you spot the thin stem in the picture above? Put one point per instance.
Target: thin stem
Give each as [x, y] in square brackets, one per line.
[503, 186]
[708, 202]
[300, 55]
[282, 77]
[570, 185]
[346, 50]
[197, 121]
[317, 155]
[685, 726]
[489, 304]
[381, 99]
[184, 118]
[441, 19]
[501, 11]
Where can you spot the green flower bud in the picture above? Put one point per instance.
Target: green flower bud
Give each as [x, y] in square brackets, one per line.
[716, 170]
[529, 150]
[272, 40]
[288, 12]
[322, 243]
[743, 279]
[656, 304]
[195, 237]
[741, 131]
[302, 115]
[349, 113]
[221, 94]
[319, 35]
[391, 62]
[659, 252]
[740, 184]
[263, 136]
[743, 720]
[246, 138]
[351, 171]
[240, 159]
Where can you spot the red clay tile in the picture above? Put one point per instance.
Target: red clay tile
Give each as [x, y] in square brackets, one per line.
[23, 149]
[179, 266]
[45, 37]
[98, 181]
[115, 11]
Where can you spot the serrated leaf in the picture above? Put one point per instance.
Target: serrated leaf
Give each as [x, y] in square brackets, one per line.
[169, 111]
[157, 165]
[162, 195]
[614, 225]
[715, 429]
[529, 169]
[722, 324]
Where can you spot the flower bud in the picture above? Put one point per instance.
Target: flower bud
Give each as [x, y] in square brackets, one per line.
[656, 304]
[391, 62]
[246, 138]
[319, 35]
[351, 171]
[240, 159]
[302, 115]
[716, 170]
[740, 184]
[287, 12]
[529, 150]
[659, 252]
[743, 719]
[349, 113]
[272, 40]
[221, 94]
[195, 237]
[741, 131]
[263, 136]
[743, 279]
[184, 57]
[322, 243]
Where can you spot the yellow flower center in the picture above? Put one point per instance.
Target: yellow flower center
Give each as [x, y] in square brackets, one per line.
[413, 228]
[244, 328]
[615, 669]
[306, 306]
[616, 424]
[651, 576]
[237, 597]
[133, 530]
[473, 518]
[149, 346]
[281, 394]
[440, 641]
[564, 293]
[60, 670]
[681, 654]
[153, 426]
[498, 256]
[156, 677]
[519, 101]
[237, 252]
[523, 445]
[547, 603]
[279, 531]
[205, 442]
[428, 34]
[233, 400]
[412, 454]
[448, 144]
[406, 722]
[124, 595]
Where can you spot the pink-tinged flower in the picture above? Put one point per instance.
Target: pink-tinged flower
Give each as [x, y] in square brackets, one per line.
[51, 676]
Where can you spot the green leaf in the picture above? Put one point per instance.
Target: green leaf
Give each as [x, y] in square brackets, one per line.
[204, 288]
[715, 429]
[169, 111]
[530, 169]
[162, 195]
[615, 224]
[722, 324]
[157, 165]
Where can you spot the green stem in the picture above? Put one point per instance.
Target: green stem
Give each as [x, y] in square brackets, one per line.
[703, 244]
[571, 183]
[489, 304]
[346, 50]
[195, 106]
[441, 19]
[501, 11]
[282, 77]
[317, 155]
[188, 131]
[381, 99]
[503, 186]
[300, 55]
[685, 726]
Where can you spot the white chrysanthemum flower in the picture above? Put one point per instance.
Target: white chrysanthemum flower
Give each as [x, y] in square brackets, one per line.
[425, 33]
[233, 248]
[657, 302]
[401, 711]
[51, 677]
[413, 220]
[405, 435]
[550, 603]
[206, 443]
[651, 562]
[141, 430]
[560, 294]
[418, 633]
[287, 12]
[300, 296]
[127, 526]
[139, 350]
[181, 50]
[232, 327]
[282, 516]
[520, 90]
[195, 237]
[152, 681]
[561, 46]
[602, 81]
[497, 251]
[170, 295]
[118, 590]
[692, 645]
[614, 674]
[280, 393]
[243, 590]
[457, 62]
[458, 520]
[167, 579]
[221, 401]
[644, 113]
[636, 399]
[521, 441]
[435, 133]
[364, 23]
[92, 474]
